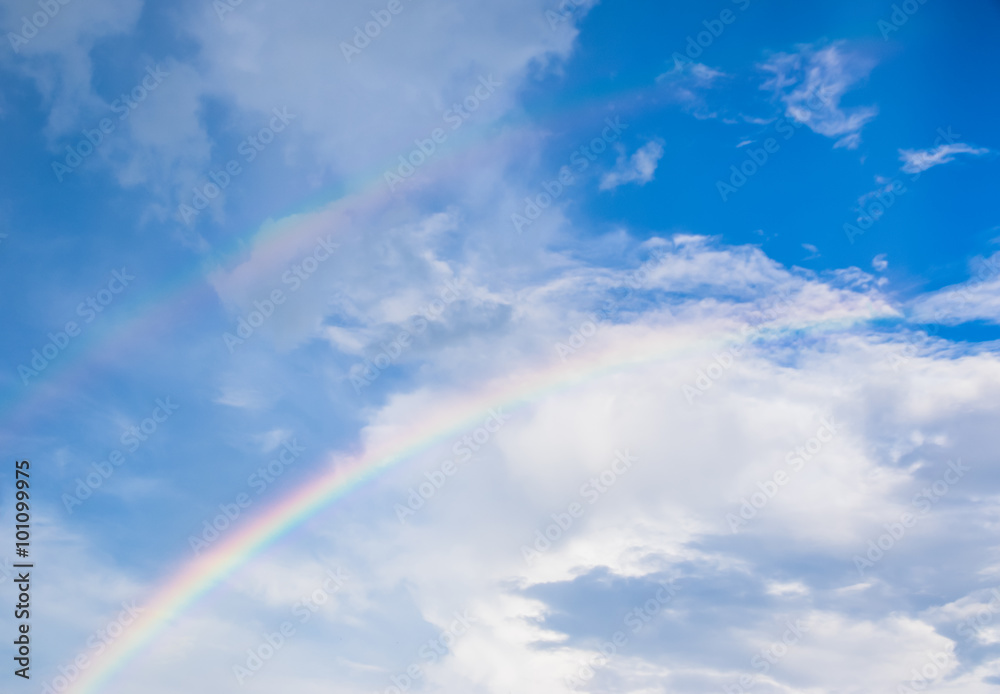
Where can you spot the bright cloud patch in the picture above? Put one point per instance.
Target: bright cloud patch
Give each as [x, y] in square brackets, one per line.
[687, 82]
[612, 535]
[915, 161]
[976, 299]
[639, 168]
[812, 82]
[425, 369]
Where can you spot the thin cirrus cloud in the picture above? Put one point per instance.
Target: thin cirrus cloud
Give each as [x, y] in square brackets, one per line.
[919, 160]
[811, 83]
[687, 82]
[978, 298]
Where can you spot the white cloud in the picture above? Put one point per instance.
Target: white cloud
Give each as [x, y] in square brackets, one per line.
[261, 57]
[976, 299]
[696, 73]
[917, 160]
[677, 308]
[623, 387]
[811, 84]
[58, 55]
[639, 168]
[687, 82]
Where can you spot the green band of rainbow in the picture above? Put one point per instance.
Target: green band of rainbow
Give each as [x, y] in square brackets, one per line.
[345, 476]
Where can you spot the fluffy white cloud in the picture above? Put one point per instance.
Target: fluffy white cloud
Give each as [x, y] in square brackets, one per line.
[711, 400]
[639, 168]
[449, 72]
[711, 368]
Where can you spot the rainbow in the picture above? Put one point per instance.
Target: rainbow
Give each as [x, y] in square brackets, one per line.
[346, 475]
[139, 315]
[343, 474]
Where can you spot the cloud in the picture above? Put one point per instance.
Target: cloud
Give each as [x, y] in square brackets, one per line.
[918, 160]
[235, 70]
[713, 365]
[811, 83]
[691, 72]
[815, 356]
[687, 82]
[639, 168]
[975, 299]
[57, 56]
[886, 188]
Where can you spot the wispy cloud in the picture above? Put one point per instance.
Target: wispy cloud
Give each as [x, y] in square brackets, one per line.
[687, 81]
[978, 298]
[639, 168]
[811, 84]
[697, 73]
[917, 160]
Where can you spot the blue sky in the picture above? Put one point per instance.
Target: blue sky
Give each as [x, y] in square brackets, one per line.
[694, 232]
